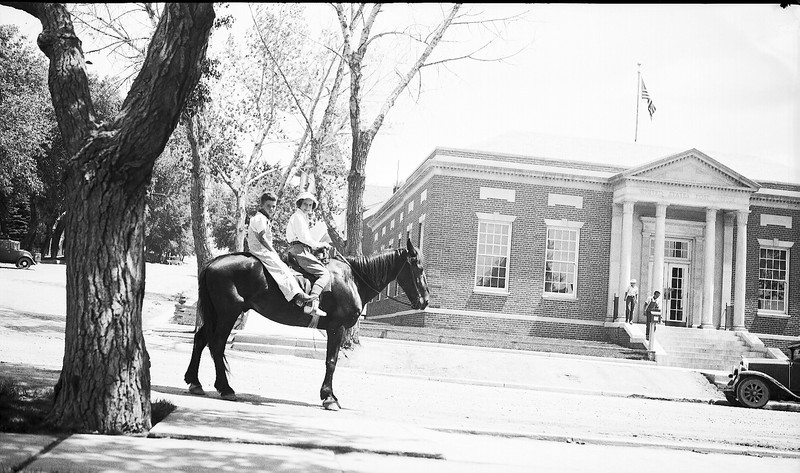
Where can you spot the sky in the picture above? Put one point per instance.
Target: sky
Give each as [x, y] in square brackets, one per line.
[724, 79]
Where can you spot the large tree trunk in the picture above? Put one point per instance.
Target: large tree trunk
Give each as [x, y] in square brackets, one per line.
[105, 379]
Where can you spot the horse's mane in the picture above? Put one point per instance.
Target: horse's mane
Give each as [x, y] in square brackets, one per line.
[378, 269]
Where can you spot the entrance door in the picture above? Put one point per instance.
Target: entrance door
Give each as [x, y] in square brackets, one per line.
[674, 298]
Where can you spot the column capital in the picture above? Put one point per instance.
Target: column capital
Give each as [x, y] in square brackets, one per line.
[627, 206]
[741, 216]
[661, 209]
[711, 214]
[729, 217]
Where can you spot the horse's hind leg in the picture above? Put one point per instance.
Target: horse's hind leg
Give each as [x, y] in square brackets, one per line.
[329, 401]
[191, 377]
[217, 348]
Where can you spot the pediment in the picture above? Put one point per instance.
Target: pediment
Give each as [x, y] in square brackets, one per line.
[690, 168]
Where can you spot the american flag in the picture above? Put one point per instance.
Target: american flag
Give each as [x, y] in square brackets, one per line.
[646, 96]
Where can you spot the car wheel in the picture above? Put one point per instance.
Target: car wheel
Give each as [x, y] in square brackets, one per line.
[753, 392]
[24, 263]
[732, 400]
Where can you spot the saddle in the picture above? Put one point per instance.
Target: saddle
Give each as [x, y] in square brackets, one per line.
[305, 279]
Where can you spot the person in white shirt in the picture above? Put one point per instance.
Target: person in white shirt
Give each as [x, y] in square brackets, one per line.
[302, 245]
[631, 296]
[259, 240]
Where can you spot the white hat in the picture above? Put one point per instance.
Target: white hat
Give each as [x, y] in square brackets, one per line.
[633, 281]
[306, 195]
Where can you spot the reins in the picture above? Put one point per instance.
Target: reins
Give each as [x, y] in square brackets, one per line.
[342, 258]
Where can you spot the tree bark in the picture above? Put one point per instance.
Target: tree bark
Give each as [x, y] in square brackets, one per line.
[55, 240]
[202, 249]
[105, 380]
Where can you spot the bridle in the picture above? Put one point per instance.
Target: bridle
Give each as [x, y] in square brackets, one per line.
[407, 261]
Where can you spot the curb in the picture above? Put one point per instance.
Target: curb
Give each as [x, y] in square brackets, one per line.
[626, 442]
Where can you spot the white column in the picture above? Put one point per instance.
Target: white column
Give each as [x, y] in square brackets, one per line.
[625, 257]
[707, 321]
[741, 270]
[727, 266]
[658, 253]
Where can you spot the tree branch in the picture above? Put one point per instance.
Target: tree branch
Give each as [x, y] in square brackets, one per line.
[161, 89]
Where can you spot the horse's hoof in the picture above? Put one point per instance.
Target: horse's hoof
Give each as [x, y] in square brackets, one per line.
[196, 389]
[331, 404]
[228, 396]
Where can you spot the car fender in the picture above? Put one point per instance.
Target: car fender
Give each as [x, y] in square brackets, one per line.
[26, 254]
[772, 381]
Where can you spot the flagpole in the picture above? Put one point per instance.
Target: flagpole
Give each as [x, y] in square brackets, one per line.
[638, 84]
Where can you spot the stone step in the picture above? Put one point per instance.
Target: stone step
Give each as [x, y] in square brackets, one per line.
[693, 335]
[264, 339]
[718, 366]
[490, 340]
[699, 348]
[303, 352]
[703, 357]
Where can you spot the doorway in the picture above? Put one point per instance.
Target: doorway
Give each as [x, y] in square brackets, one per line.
[676, 276]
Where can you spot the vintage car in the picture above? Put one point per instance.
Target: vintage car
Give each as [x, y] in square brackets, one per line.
[10, 253]
[756, 381]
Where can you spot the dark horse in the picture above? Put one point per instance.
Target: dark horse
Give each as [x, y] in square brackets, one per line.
[233, 283]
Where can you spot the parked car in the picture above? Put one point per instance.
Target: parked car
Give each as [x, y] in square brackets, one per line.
[11, 253]
[756, 381]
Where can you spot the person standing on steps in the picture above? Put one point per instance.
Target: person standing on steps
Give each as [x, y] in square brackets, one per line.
[631, 297]
[651, 306]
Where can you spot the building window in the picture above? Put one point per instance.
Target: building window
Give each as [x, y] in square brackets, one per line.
[420, 233]
[423, 196]
[773, 279]
[561, 260]
[493, 253]
[411, 206]
[391, 225]
[672, 248]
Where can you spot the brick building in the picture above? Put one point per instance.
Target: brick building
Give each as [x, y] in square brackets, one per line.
[533, 246]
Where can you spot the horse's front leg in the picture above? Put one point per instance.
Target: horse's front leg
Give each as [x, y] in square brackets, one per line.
[329, 401]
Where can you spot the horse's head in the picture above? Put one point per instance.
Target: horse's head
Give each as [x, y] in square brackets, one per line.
[412, 278]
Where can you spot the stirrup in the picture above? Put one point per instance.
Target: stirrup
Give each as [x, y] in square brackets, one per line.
[313, 309]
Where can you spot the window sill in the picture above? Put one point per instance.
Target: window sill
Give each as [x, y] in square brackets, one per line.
[490, 292]
[773, 315]
[559, 297]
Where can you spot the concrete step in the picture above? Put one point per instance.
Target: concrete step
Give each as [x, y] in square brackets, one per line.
[717, 366]
[303, 352]
[693, 336]
[706, 350]
[266, 339]
[490, 340]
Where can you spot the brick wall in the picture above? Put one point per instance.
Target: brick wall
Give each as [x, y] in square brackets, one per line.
[450, 245]
[759, 323]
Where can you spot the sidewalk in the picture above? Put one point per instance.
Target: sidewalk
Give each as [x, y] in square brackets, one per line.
[290, 432]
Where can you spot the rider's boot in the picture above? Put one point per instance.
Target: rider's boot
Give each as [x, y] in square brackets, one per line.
[314, 309]
[302, 299]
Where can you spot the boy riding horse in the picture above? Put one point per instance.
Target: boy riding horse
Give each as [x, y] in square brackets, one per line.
[259, 240]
